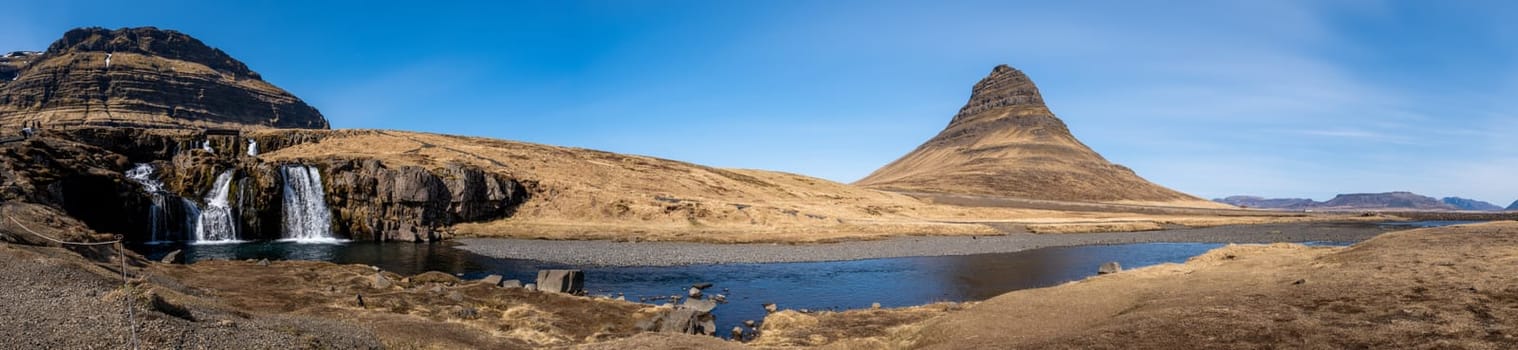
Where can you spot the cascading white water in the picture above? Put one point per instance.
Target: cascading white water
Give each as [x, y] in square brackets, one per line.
[216, 223]
[307, 218]
[207, 146]
[252, 148]
[158, 215]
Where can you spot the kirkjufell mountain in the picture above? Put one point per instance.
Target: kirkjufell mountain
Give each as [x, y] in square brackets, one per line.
[1005, 142]
[142, 77]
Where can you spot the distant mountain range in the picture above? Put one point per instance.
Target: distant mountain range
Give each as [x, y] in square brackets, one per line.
[1352, 201]
[1471, 204]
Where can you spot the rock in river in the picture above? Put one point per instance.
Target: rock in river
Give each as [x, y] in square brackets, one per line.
[561, 281]
[1109, 267]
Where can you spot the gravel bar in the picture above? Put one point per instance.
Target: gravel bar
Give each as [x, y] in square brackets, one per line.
[610, 253]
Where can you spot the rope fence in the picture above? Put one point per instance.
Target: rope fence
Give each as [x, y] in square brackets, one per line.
[126, 287]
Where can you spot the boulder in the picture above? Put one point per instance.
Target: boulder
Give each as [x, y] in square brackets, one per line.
[561, 281]
[380, 282]
[737, 333]
[1109, 267]
[702, 285]
[511, 284]
[434, 277]
[680, 320]
[707, 325]
[467, 313]
[171, 258]
[263, 262]
[700, 305]
[494, 280]
[531, 287]
[771, 308]
[695, 293]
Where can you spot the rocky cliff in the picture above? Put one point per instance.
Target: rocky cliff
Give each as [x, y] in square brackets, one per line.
[412, 203]
[142, 77]
[83, 181]
[80, 172]
[1006, 142]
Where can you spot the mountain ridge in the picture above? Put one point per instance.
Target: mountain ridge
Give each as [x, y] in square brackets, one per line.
[1384, 200]
[142, 77]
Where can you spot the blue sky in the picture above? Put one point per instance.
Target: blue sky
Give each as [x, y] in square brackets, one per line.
[1214, 98]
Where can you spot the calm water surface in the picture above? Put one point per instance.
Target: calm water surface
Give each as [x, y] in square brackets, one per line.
[837, 285]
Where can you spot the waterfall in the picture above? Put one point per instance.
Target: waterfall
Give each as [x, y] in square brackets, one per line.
[207, 146]
[252, 148]
[191, 216]
[158, 214]
[217, 224]
[307, 218]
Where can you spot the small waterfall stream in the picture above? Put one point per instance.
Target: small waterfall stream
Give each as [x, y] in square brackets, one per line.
[158, 212]
[252, 148]
[306, 216]
[217, 224]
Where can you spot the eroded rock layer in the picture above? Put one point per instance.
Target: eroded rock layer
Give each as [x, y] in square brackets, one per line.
[142, 77]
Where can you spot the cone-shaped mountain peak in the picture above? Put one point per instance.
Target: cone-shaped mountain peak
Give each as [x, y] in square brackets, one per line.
[1005, 142]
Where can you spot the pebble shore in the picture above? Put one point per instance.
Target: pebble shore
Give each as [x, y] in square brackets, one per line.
[610, 253]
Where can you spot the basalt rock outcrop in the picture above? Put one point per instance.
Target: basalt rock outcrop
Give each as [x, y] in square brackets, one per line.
[368, 200]
[1005, 142]
[410, 203]
[80, 172]
[142, 77]
[83, 181]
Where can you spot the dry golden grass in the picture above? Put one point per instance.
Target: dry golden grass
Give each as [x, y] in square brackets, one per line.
[587, 194]
[852, 329]
[410, 313]
[1436, 288]
[1089, 227]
